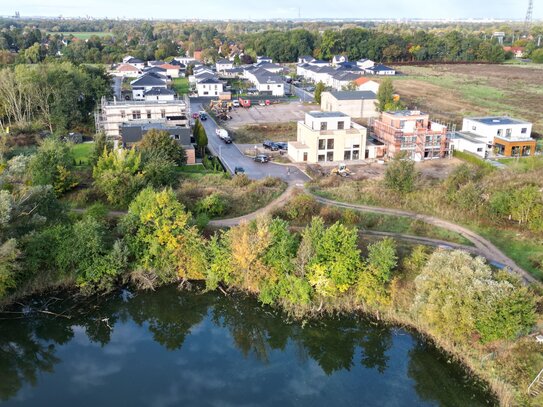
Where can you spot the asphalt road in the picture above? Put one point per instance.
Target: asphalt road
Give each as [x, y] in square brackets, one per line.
[232, 157]
[302, 94]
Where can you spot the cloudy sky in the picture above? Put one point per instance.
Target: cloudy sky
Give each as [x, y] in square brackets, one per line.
[251, 9]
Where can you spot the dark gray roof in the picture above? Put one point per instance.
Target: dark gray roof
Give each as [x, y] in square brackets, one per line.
[154, 69]
[134, 61]
[320, 115]
[134, 133]
[497, 120]
[210, 80]
[354, 95]
[346, 76]
[224, 61]
[148, 80]
[380, 67]
[159, 92]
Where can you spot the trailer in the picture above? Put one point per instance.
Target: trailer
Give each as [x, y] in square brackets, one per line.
[244, 102]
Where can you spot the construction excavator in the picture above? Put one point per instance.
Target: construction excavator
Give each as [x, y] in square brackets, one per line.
[341, 170]
[221, 108]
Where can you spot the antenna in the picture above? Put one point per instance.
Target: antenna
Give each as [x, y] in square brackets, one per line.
[528, 20]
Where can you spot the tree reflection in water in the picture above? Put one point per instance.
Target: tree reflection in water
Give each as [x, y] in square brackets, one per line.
[29, 345]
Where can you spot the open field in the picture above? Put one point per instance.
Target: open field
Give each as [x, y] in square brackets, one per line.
[450, 92]
[257, 133]
[83, 35]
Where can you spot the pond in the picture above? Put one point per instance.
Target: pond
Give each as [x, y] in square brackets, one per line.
[171, 347]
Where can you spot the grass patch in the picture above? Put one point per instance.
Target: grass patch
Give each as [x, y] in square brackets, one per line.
[523, 164]
[257, 133]
[82, 153]
[82, 35]
[181, 85]
[472, 159]
[194, 169]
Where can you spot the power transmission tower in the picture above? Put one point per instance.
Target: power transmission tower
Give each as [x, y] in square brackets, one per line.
[528, 20]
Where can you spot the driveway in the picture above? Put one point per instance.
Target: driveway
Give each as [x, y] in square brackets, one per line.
[232, 157]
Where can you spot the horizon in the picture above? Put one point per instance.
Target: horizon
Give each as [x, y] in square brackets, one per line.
[212, 10]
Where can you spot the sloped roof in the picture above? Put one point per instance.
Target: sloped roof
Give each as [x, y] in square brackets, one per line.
[168, 66]
[159, 92]
[148, 80]
[127, 68]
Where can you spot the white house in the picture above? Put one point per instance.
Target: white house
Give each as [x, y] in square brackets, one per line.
[209, 87]
[264, 59]
[500, 135]
[223, 65]
[338, 59]
[159, 94]
[171, 70]
[305, 59]
[357, 104]
[137, 63]
[145, 83]
[380, 69]
[270, 67]
[125, 71]
[265, 82]
[365, 63]
[363, 83]
[185, 60]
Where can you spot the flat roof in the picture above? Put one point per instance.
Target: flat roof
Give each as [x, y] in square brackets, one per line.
[402, 113]
[497, 120]
[469, 136]
[354, 95]
[320, 115]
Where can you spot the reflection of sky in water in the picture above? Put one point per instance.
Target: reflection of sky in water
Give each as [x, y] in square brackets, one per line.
[209, 369]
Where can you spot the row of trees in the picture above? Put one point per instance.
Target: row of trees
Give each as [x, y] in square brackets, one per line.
[59, 96]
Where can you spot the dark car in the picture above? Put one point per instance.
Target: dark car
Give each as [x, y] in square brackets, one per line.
[203, 117]
[270, 145]
[227, 140]
[261, 158]
[239, 170]
[282, 145]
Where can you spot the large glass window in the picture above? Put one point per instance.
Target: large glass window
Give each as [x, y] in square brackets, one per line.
[321, 157]
[524, 130]
[347, 155]
[163, 113]
[123, 114]
[340, 125]
[324, 126]
[330, 156]
[305, 156]
[330, 144]
[136, 114]
[356, 154]
[148, 114]
[508, 133]
[500, 132]
[322, 144]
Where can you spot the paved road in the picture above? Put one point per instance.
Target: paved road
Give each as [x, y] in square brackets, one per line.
[302, 94]
[232, 157]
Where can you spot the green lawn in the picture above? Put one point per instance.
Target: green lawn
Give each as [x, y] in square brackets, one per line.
[524, 163]
[82, 152]
[181, 85]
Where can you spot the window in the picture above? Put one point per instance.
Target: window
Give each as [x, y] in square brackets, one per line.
[330, 144]
[500, 132]
[480, 150]
[148, 114]
[322, 144]
[347, 155]
[330, 156]
[402, 124]
[324, 126]
[508, 133]
[321, 157]
[136, 114]
[163, 113]
[305, 156]
[524, 130]
[474, 128]
[340, 125]
[123, 114]
[356, 154]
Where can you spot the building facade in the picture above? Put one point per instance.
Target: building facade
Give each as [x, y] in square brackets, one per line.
[328, 137]
[357, 104]
[501, 136]
[411, 132]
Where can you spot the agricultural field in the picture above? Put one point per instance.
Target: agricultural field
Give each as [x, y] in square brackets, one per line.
[450, 92]
[83, 35]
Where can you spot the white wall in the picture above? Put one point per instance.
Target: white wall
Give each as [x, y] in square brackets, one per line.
[491, 131]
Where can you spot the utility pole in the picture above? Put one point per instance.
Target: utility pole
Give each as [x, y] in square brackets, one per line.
[528, 20]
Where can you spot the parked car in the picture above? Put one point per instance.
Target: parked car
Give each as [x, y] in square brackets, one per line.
[203, 116]
[261, 103]
[239, 170]
[235, 103]
[261, 158]
[282, 145]
[196, 115]
[270, 145]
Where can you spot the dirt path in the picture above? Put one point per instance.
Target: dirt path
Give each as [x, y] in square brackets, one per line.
[483, 246]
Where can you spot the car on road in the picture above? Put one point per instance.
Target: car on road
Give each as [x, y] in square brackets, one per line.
[239, 170]
[261, 158]
[196, 115]
[235, 103]
[203, 116]
[270, 145]
[282, 145]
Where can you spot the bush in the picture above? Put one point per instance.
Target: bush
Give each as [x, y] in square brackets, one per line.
[330, 214]
[241, 180]
[302, 208]
[212, 205]
[400, 175]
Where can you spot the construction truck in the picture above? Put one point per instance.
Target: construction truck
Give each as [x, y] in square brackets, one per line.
[341, 170]
[223, 135]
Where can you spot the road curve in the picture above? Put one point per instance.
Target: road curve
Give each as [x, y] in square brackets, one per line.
[484, 247]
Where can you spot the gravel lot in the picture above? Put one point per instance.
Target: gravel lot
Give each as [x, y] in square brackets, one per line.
[281, 112]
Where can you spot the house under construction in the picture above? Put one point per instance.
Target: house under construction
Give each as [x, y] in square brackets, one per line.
[412, 132]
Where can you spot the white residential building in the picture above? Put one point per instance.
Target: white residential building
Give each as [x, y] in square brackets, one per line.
[265, 82]
[356, 104]
[380, 69]
[365, 63]
[209, 87]
[223, 65]
[339, 59]
[145, 83]
[264, 59]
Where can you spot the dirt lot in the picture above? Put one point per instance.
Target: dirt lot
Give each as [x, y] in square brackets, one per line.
[279, 113]
[450, 92]
[429, 170]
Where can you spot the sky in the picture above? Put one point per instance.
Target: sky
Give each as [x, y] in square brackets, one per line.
[276, 9]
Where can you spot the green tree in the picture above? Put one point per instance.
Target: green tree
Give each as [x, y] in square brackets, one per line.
[319, 88]
[385, 96]
[200, 136]
[52, 165]
[400, 175]
[159, 144]
[118, 176]
[9, 254]
[100, 144]
[537, 56]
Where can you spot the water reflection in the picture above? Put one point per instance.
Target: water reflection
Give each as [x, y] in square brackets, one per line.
[150, 348]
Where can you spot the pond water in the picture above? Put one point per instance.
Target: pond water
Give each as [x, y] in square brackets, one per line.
[171, 348]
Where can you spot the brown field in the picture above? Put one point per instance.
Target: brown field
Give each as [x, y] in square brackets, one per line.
[450, 92]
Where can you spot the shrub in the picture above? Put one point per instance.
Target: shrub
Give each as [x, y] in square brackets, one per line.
[212, 205]
[400, 175]
[330, 214]
[302, 208]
